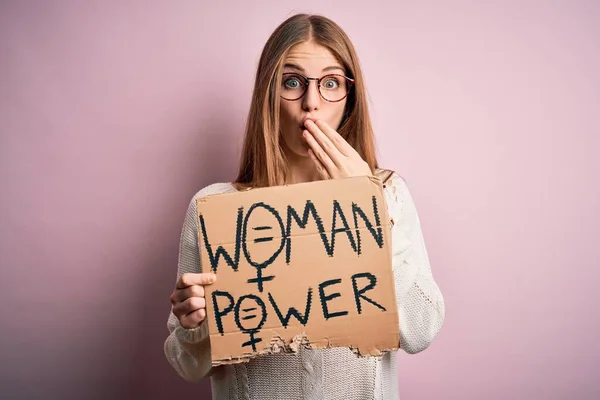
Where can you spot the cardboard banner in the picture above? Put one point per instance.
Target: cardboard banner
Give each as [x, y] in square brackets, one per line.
[299, 265]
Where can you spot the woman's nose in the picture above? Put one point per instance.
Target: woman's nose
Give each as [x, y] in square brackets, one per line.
[312, 98]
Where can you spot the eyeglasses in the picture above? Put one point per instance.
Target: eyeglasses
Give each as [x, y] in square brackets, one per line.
[332, 88]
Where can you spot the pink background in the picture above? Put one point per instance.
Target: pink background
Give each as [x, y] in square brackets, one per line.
[113, 114]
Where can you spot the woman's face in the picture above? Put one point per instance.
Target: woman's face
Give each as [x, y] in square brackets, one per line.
[312, 61]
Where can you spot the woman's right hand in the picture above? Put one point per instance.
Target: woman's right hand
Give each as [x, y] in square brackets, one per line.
[189, 304]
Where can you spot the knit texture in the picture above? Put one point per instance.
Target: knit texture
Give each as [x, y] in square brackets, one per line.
[319, 374]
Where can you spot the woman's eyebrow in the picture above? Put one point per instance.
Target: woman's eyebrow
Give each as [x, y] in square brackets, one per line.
[299, 68]
[333, 67]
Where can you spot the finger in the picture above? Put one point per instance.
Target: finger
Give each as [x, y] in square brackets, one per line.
[189, 305]
[320, 168]
[181, 295]
[320, 154]
[193, 319]
[189, 279]
[338, 141]
[325, 143]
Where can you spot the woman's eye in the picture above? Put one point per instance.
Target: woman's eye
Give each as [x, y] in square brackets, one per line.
[331, 83]
[292, 83]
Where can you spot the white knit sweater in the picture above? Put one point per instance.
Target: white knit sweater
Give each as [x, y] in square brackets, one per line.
[319, 374]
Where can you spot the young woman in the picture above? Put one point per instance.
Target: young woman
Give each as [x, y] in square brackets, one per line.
[308, 120]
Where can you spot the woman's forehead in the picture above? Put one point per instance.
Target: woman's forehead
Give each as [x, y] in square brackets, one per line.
[311, 57]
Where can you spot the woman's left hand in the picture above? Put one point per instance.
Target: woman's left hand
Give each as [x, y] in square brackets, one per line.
[333, 156]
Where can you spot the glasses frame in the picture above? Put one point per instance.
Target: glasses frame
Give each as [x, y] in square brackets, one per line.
[307, 80]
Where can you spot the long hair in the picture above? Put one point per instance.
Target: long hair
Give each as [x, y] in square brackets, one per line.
[262, 160]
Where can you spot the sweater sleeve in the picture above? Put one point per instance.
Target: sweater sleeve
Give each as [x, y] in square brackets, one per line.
[420, 302]
[188, 350]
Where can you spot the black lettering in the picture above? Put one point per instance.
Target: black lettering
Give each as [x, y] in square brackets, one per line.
[309, 210]
[337, 210]
[263, 239]
[293, 311]
[218, 312]
[252, 330]
[260, 279]
[214, 257]
[358, 294]
[261, 265]
[376, 233]
[326, 298]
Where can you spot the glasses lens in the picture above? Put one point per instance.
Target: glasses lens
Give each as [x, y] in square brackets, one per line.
[292, 86]
[334, 87]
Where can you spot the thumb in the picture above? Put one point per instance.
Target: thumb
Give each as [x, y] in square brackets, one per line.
[207, 278]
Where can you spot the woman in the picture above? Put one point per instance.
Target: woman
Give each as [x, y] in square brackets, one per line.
[308, 120]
